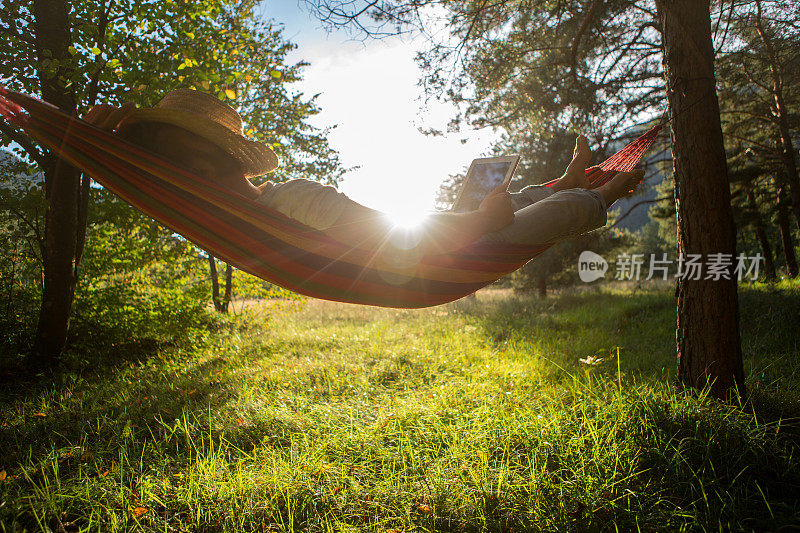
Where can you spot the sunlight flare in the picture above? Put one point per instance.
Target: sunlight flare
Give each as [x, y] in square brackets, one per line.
[408, 218]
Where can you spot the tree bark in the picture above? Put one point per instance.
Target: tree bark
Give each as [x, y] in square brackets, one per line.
[708, 342]
[62, 189]
[786, 235]
[761, 233]
[228, 287]
[212, 266]
[541, 286]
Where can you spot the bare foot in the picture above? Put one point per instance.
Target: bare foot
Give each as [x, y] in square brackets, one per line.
[575, 175]
[620, 186]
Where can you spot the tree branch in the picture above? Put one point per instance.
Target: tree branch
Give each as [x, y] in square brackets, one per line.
[754, 143]
[576, 43]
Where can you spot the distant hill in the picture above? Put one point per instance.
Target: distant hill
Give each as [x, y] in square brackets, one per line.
[639, 216]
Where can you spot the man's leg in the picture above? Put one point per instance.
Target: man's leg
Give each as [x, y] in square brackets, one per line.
[530, 195]
[556, 216]
[564, 213]
[574, 178]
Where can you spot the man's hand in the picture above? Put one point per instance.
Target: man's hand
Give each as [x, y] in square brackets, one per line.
[497, 209]
[107, 117]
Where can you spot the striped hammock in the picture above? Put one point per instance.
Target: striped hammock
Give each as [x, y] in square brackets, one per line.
[266, 243]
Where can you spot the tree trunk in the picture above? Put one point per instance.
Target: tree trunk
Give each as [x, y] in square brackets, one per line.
[212, 265]
[228, 287]
[786, 235]
[709, 346]
[761, 233]
[541, 286]
[62, 189]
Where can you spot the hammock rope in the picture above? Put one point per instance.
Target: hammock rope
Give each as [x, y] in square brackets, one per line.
[264, 242]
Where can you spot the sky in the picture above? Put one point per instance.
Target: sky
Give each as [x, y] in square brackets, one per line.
[369, 91]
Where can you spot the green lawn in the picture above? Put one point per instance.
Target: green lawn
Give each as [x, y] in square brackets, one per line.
[313, 416]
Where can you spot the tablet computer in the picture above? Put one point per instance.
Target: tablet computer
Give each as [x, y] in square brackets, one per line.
[484, 175]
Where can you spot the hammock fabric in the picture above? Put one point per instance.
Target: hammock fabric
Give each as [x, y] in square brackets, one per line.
[266, 243]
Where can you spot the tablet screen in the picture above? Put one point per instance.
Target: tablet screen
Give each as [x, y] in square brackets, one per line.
[482, 178]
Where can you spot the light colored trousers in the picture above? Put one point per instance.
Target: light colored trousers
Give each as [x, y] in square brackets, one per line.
[542, 216]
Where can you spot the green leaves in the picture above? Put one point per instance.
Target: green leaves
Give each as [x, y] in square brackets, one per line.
[187, 62]
[148, 48]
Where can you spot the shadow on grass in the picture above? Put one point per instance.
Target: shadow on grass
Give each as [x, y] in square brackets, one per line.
[107, 391]
[643, 326]
[94, 350]
[734, 469]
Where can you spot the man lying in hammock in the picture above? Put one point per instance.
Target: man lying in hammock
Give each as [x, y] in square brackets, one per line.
[199, 133]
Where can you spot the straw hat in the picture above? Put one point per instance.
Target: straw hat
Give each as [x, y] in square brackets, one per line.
[204, 115]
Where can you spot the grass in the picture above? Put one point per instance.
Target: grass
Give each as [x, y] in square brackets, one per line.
[313, 416]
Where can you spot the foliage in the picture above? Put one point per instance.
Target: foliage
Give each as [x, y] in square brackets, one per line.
[648, 241]
[136, 51]
[462, 417]
[131, 50]
[21, 208]
[758, 96]
[140, 281]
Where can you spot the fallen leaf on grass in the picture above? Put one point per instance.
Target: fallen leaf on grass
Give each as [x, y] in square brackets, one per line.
[2, 475]
[40, 414]
[139, 511]
[240, 421]
[422, 508]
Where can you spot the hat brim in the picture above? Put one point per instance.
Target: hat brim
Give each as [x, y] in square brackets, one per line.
[254, 157]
